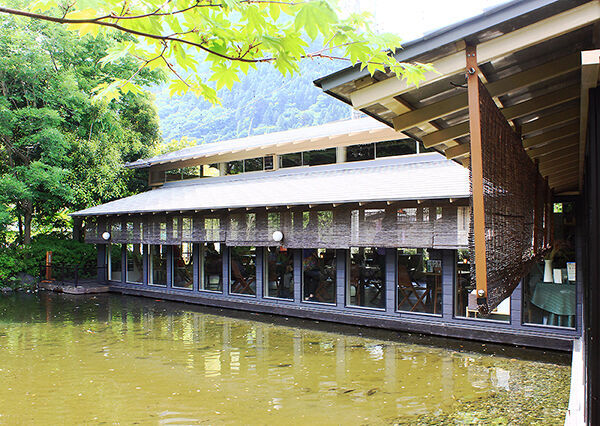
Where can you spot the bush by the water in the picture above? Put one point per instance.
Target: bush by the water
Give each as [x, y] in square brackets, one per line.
[17, 261]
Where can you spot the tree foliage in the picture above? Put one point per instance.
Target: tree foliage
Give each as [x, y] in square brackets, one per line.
[59, 149]
[232, 36]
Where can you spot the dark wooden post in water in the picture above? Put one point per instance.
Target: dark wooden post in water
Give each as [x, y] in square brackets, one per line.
[477, 174]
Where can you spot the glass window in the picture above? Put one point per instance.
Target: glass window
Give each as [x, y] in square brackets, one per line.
[115, 262]
[318, 157]
[366, 280]
[319, 275]
[398, 147]
[290, 160]
[466, 293]
[549, 290]
[360, 152]
[183, 266]
[418, 281]
[279, 273]
[157, 265]
[235, 167]
[242, 270]
[135, 259]
[253, 164]
[212, 267]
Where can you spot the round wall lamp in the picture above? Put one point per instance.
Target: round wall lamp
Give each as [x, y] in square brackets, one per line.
[277, 236]
[106, 236]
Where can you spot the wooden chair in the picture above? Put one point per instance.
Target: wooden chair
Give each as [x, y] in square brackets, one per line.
[408, 288]
[240, 285]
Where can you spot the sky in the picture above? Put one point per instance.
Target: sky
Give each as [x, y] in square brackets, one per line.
[411, 19]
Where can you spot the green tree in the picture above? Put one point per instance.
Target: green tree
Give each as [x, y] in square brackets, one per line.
[230, 36]
[59, 149]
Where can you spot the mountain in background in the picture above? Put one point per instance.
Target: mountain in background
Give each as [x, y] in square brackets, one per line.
[262, 102]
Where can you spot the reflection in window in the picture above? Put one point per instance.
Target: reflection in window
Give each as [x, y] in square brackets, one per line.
[549, 290]
[242, 271]
[418, 281]
[115, 262]
[212, 267]
[319, 275]
[318, 157]
[360, 152]
[290, 160]
[397, 147]
[253, 164]
[135, 269]
[183, 270]
[366, 280]
[279, 272]
[466, 294]
[235, 167]
[157, 265]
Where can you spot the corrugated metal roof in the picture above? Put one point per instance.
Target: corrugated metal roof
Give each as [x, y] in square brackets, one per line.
[412, 177]
[269, 140]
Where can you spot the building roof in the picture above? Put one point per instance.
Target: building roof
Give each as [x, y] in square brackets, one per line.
[537, 60]
[338, 133]
[411, 177]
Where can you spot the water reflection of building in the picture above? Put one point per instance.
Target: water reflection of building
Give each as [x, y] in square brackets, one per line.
[346, 222]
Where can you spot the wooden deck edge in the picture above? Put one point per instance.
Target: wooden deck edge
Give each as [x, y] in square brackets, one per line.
[429, 326]
[576, 413]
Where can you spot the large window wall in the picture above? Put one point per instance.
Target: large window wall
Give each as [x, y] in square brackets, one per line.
[418, 281]
[115, 262]
[135, 264]
[366, 278]
[157, 265]
[211, 267]
[319, 267]
[242, 270]
[279, 273]
[183, 266]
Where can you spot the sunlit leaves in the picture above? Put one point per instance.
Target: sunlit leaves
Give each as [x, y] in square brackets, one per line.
[233, 35]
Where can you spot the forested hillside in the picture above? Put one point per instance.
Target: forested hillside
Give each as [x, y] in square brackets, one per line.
[264, 101]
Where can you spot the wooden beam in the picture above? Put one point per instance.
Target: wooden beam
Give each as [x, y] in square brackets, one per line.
[568, 142]
[567, 164]
[590, 71]
[497, 88]
[550, 161]
[476, 171]
[458, 151]
[546, 121]
[510, 113]
[552, 135]
[504, 45]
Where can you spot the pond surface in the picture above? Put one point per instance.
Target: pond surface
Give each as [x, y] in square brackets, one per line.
[117, 359]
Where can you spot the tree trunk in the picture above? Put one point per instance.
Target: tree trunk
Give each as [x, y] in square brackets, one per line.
[20, 220]
[27, 216]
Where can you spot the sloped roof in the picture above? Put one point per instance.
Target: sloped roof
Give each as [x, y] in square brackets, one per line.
[346, 132]
[412, 177]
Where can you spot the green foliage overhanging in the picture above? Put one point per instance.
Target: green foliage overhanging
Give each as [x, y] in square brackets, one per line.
[232, 36]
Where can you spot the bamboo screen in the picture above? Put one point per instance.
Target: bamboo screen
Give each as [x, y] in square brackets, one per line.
[443, 226]
[514, 198]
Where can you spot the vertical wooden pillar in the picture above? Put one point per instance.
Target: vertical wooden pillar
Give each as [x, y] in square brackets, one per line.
[476, 172]
[536, 211]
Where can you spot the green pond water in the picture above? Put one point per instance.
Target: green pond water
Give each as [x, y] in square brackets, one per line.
[112, 359]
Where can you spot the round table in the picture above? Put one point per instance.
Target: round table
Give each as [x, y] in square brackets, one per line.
[557, 299]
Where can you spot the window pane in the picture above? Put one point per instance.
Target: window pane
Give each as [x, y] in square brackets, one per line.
[419, 281]
[549, 290]
[158, 265]
[279, 269]
[366, 280]
[317, 157]
[243, 270]
[398, 147]
[235, 167]
[290, 160]
[466, 294]
[115, 262]
[319, 275]
[360, 152]
[183, 269]
[135, 270]
[212, 266]
[253, 164]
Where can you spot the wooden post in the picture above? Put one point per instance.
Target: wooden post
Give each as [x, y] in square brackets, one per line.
[477, 174]
[536, 212]
[48, 275]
